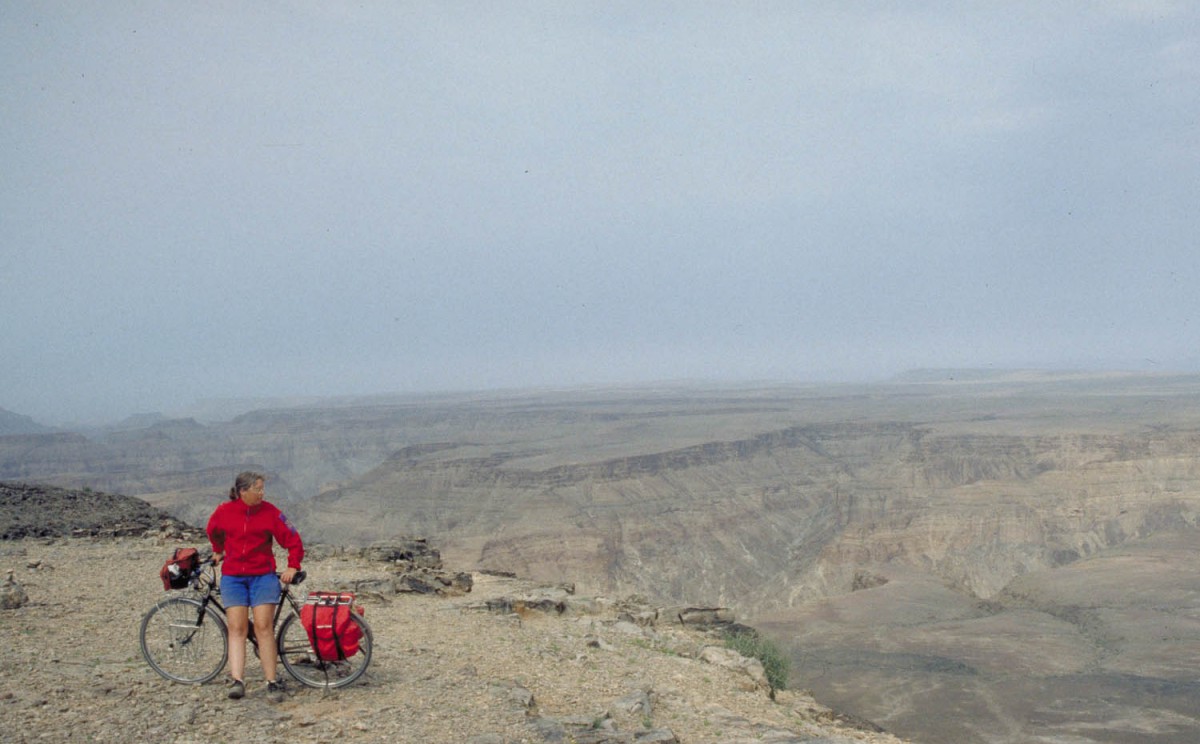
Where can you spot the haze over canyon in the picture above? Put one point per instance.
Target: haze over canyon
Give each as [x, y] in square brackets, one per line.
[957, 556]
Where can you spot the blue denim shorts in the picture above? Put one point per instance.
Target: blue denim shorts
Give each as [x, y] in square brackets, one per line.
[249, 591]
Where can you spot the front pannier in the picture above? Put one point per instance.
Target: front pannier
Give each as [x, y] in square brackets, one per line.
[177, 571]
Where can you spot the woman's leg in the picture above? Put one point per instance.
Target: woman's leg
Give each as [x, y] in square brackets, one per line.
[238, 620]
[264, 631]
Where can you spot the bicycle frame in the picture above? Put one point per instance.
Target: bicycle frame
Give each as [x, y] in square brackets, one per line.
[206, 577]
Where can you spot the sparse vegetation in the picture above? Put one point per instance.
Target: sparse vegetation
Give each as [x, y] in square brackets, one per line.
[754, 646]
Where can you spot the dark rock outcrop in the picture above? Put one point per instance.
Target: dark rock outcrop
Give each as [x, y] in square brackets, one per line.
[28, 510]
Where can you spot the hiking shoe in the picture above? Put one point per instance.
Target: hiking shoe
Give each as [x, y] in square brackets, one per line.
[276, 691]
[237, 690]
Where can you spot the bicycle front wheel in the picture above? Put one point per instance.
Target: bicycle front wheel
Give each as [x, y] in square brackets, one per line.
[298, 657]
[184, 640]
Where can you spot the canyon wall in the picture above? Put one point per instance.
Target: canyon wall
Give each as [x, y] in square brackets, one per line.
[788, 515]
[1010, 559]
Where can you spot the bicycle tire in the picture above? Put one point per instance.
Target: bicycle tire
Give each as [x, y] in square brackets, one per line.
[181, 643]
[299, 659]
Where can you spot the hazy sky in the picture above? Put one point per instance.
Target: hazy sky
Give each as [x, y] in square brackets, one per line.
[293, 198]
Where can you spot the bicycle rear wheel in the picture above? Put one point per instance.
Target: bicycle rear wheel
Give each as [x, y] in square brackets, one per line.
[298, 657]
[184, 640]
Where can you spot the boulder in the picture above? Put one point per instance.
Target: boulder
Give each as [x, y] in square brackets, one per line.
[426, 581]
[636, 703]
[730, 659]
[705, 617]
[12, 594]
[407, 552]
[521, 606]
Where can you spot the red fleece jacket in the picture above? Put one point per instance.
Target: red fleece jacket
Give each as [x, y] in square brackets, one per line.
[243, 533]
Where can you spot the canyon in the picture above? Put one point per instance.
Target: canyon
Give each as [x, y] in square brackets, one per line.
[998, 557]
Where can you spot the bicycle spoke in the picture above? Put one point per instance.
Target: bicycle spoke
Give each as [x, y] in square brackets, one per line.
[183, 640]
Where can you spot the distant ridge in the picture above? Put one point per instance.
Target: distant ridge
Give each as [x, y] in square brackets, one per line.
[15, 423]
[952, 374]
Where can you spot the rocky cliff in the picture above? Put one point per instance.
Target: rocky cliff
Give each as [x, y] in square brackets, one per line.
[497, 660]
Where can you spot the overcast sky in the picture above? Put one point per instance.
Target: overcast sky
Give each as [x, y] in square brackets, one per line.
[227, 199]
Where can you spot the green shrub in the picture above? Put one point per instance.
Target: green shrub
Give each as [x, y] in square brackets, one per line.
[752, 645]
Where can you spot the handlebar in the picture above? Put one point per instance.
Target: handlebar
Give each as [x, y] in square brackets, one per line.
[297, 579]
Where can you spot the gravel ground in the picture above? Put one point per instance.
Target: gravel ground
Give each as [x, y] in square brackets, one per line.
[444, 669]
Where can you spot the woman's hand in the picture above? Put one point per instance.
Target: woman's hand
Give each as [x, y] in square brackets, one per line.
[288, 574]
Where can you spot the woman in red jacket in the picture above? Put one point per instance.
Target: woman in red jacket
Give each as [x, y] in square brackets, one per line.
[241, 531]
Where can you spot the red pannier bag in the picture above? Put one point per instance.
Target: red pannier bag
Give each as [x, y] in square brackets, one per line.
[331, 631]
[177, 571]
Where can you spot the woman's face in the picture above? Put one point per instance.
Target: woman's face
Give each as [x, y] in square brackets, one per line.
[254, 494]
